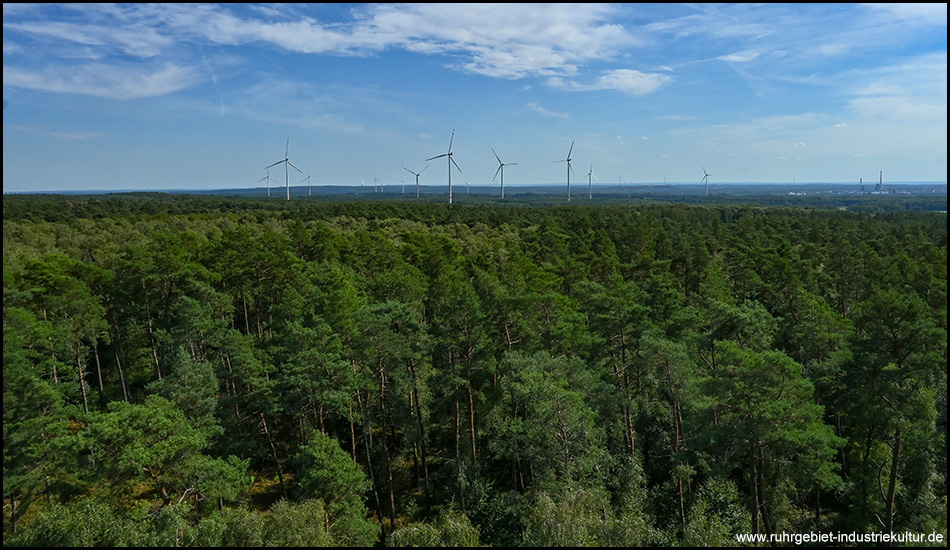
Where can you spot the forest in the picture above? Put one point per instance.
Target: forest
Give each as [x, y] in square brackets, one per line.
[182, 371]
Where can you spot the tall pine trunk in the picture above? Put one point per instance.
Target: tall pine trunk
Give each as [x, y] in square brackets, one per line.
[892, 481]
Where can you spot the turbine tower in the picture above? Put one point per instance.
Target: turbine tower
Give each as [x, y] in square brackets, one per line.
[706, 179]
[417, 177]
[590, 174]
[501, 169]
[309, 187]
[451, 161]
[569, 169]
[287, 163]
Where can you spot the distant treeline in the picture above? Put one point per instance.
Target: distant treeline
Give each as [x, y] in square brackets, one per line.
[56, 207]
[221, 371]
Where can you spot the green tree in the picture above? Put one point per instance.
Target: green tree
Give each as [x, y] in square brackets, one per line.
[450, 529]
[152, 449]
[86, 522]
[54, 290]
[543, 427]
[326, 472]
[761, 418]
[389, 352]
[716, 516]
[34, 419]
[899, 362]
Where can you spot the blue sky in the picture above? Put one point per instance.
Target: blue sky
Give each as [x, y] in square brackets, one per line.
[205, 96]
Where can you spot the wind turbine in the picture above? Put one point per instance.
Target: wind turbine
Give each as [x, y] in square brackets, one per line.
[451, 161]
[569, 169]
[309, 188]
[590, 174]
[501, 169]
[706, 179]
[287, 163]
[417, 177]
[268, 179]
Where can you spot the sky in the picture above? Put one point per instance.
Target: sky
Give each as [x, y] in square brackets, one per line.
[126, 97]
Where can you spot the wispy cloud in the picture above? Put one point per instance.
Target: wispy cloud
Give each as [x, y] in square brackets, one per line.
[915, 89]
[116, 81]
[71, 136]
[539, 109]
[933, 14]
[740, 57]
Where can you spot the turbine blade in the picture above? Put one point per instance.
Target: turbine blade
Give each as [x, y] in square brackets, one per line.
[438, 157]
[496, 173]
[456, 164]
[512, 164]
[451, 140]
[424, 169]
[273, 165]
[295, 168]
[408, 170]
[572, 149]
[496, 155]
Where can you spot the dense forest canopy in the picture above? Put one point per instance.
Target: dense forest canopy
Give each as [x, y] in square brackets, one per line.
[236, 372]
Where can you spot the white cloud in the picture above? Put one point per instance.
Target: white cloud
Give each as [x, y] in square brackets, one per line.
[501, 40]
[628, 81]
[498, 40]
